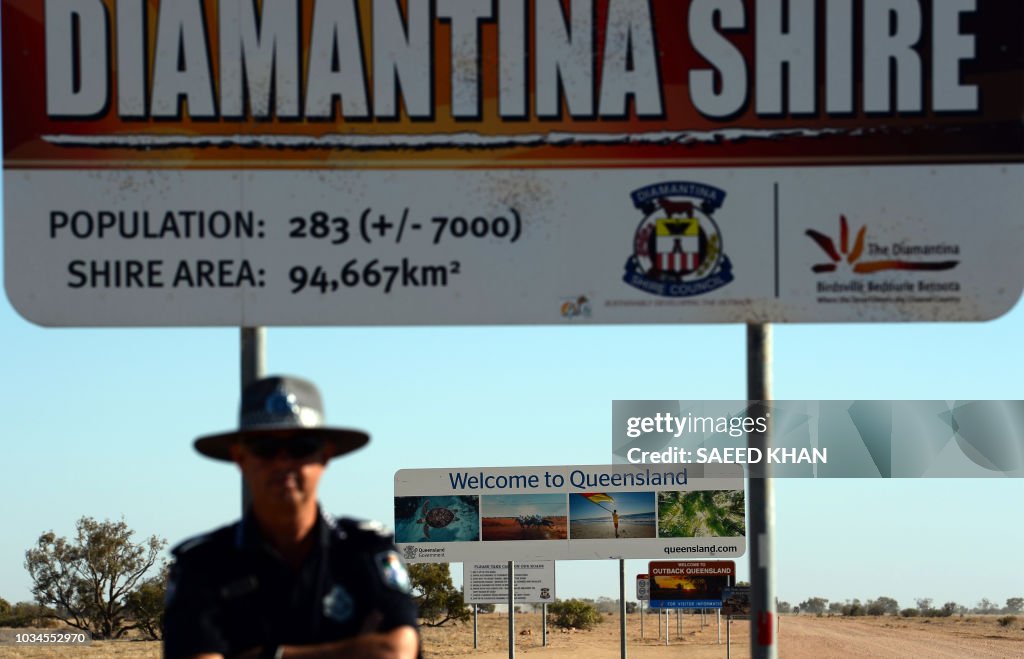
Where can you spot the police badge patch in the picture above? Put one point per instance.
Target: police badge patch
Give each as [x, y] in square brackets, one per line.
[677, 248]
[338, 604]
[393, 572]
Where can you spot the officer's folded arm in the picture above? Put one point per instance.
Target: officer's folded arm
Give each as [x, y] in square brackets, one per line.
[400, 643]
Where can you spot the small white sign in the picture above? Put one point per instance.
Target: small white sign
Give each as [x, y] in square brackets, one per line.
[487, 583]
[643, 587]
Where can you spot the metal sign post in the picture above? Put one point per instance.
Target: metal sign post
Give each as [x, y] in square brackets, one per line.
[253, 367]
[622, 608]
[476, 614]
[511, 610]
[544, 624]
[762, 503]
[643, 594]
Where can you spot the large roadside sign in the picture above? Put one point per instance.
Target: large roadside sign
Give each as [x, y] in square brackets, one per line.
[387, 162]
[569, 513]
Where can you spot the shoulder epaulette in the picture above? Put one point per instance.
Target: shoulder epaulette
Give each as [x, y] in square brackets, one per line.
[362, 529]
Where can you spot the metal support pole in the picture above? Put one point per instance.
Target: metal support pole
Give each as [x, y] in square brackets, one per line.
[622, 607]
[252, 366]
[718, 624]
[728, 637]
[476, 614]
[666, 625]
[761, 500]
[511, 611]
[544, 624]
[659, 623]
[253, 354]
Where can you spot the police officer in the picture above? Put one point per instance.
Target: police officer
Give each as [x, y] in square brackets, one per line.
[288, 580]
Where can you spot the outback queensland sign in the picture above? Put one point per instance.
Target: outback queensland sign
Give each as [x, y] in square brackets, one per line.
[402, 162]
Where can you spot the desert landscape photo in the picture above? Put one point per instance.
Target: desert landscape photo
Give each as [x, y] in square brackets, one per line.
[524, 517]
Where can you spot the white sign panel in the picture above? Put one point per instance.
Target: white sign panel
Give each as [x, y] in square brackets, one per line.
[569, 512]
[487, 583]
[643, 587]
[450, 248]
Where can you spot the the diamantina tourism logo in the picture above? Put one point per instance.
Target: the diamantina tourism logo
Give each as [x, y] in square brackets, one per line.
[862, 257]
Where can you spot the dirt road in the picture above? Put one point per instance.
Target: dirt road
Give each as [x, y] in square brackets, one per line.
[801, 637]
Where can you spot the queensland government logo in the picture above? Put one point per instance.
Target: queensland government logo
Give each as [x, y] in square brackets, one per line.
[677, 248]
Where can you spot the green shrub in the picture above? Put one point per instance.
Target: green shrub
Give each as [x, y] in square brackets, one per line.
[435, 595]
[1006, 621]
[909, 613]
[25, 614]
[573, 613]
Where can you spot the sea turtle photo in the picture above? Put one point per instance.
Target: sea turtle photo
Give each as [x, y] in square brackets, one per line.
[439, 518]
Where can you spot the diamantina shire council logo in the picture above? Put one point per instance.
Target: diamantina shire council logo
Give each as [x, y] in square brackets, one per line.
[677, 248]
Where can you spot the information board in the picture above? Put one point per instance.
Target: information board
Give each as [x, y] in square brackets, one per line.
[376, 162]
[736, 601]
[487, 583]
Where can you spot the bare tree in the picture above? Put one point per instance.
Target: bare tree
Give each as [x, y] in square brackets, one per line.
[87, 579]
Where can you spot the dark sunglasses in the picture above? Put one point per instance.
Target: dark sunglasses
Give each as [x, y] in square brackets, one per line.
[270, 447]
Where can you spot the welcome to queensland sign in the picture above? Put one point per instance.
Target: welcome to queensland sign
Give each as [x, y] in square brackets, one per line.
[569, 512]
[387, 162]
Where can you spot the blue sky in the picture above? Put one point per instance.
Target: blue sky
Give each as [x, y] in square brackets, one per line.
[100, 422]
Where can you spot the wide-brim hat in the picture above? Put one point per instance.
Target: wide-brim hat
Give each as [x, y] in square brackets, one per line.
[282, 406]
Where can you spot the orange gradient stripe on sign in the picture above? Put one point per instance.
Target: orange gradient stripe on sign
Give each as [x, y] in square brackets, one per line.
[449, 84]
